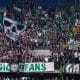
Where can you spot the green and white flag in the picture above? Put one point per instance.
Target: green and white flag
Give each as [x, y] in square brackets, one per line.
[1, 20]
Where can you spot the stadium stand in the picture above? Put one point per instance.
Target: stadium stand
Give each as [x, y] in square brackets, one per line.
[38, 34]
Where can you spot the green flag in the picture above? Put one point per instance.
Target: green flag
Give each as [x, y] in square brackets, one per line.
[70, 34]
[46, 27]
[1, 20]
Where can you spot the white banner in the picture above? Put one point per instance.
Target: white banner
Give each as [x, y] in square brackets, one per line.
[72, 68]
[39, 67]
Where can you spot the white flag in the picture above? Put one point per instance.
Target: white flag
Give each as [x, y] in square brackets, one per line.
[12, 28]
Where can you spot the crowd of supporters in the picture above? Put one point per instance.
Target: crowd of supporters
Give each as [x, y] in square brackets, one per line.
[57, 30]
[41, 78]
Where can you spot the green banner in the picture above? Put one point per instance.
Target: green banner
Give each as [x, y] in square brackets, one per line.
[27, 67]
[4, 67]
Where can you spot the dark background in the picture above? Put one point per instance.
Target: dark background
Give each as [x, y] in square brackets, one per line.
[45, 3]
